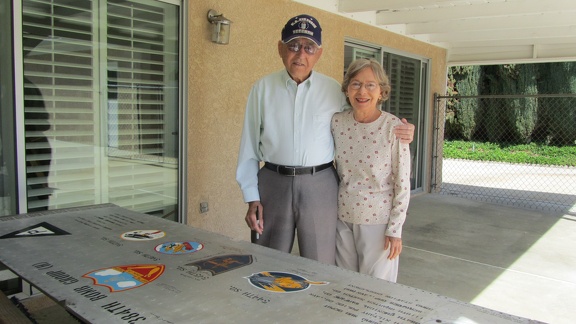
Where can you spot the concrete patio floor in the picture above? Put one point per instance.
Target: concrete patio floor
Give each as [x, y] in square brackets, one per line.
[518, 261]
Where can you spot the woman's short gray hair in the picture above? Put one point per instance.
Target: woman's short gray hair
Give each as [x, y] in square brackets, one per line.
[357, 66]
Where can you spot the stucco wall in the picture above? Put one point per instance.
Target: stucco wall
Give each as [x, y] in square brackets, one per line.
[220, 78]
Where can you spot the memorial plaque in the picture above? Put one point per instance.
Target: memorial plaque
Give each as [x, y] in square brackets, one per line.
[106, 264]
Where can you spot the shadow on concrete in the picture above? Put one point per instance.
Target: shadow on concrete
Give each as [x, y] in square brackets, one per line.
[514, 260]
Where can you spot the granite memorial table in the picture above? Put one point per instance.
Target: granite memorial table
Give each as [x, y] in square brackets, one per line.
[106, 264]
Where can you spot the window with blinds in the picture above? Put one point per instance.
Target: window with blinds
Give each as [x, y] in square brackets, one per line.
[355, 52]
[407, 101]
[101, 103]
[405, 96]
[408, 83]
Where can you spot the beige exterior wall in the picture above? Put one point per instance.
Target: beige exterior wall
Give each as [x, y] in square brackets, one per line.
[220, 78]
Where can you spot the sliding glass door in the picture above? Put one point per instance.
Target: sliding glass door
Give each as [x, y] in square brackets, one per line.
[101, 104]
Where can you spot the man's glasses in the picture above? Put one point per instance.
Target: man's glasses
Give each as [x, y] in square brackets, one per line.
[296, 46]
[370, 86]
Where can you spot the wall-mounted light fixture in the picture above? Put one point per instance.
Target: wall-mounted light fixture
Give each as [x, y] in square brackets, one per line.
[221, 30]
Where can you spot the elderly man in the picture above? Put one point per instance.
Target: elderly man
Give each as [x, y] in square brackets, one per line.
[287, 126]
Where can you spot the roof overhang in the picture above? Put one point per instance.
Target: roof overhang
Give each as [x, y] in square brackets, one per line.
[474, 32]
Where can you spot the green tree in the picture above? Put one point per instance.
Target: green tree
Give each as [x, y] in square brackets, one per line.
[557, 115]
[526, 109]
[510, 120]
[461, 112]
[495, 115]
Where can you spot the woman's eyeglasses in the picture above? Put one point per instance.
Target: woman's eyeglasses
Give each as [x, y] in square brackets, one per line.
[370, 86]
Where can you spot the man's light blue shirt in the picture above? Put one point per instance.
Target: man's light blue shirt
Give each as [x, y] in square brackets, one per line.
[287, 124]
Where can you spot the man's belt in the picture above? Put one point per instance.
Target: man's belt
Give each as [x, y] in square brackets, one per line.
[294, 171]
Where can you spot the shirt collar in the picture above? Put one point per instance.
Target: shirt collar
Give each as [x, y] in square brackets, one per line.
[287, 78]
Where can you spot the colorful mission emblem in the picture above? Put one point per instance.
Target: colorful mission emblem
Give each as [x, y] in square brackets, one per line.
[126, 277]
[143, 235]
[282, 282]
[179, 247]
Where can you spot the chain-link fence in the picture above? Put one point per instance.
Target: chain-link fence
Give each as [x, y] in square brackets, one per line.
[548, 120]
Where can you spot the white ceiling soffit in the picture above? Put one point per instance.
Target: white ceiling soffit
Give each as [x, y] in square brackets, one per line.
[474, 32]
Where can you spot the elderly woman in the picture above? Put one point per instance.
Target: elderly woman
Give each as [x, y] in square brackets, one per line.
[374, 171]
